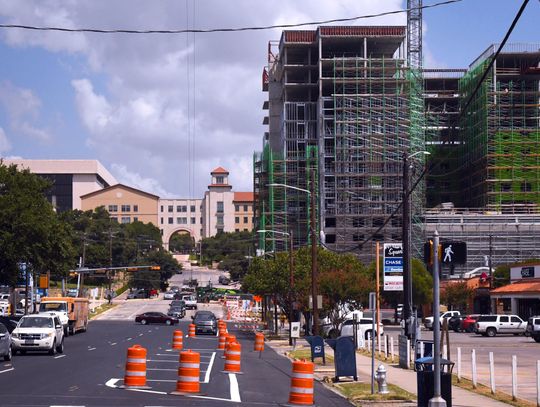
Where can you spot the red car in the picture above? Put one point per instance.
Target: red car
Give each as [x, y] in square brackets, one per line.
[155, 318]
[467, 325]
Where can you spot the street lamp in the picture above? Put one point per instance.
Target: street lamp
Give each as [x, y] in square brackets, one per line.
[406, 239]
[314, 265]
[291, 275]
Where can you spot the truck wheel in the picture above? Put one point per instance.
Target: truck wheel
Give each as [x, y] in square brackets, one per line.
[7, 357]
[367, 334]
[60, 348]
[52, 351]
[66, 331]
[536, 338]
[491, 332]
[71, 330]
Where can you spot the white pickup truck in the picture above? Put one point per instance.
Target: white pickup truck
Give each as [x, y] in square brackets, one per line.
[38, 332]
[428, 322]
[190, 300]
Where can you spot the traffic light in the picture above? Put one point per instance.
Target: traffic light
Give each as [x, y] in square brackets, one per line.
[157, 268]
[428, 250]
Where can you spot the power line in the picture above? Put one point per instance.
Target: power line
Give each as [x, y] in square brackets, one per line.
[217, 30]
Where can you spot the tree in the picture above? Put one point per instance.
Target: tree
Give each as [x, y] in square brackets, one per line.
[232, 250]
[182, 243]
[457, 295]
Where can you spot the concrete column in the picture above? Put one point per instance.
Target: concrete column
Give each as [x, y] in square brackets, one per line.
[514, 306]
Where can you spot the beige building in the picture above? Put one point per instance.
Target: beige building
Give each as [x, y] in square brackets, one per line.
[243, 211]
[70, 178]
[217, 205]
[180, 215]
[125, 204]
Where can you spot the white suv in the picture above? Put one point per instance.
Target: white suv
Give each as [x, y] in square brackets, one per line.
[428, 322]
[364, 328]
[38, 332]
[491, 325]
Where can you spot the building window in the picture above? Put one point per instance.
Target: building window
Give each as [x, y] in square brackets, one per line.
[161, 231]
[114, 218]
[245, 219]
[181, 208]
[245, 230]
[135, 208]
[220, 206]
[135, 219]
[192, 208]
[126, 219]
[113, 208]
[182, 221]
[219, 179]
[161, 221]
[237, 219]
[170, 208]
[526, 187]
[220, 230]
[193, 221]
[171, 221]
[161, 208]
[126, 208]
[237, 230]
[237, 208]
[245, 208]
[200, 220]
[220, 219]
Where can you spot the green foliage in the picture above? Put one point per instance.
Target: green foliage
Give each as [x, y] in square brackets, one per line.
[501, 275]
[457, 295]
[30, 231]
[232, 250]
[181, 243]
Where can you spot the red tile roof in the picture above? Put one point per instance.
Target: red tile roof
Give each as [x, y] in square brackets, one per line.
[243, 197]
[220, 170]
[521, 286]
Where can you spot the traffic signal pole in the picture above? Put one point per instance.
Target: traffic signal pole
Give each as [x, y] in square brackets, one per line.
[406, 238]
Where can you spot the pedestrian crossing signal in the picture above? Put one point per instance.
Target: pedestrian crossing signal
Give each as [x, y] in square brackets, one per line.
[454, 252]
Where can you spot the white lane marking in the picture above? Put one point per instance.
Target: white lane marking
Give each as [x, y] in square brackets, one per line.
[91, 349]
[209, 369]
[159, 360]
[114, 343]
[148, 391]
[129, 339]
[141, 334]
[112, 383]
[7, 370]
[209, 398]
[149, 330]
[60, 356]
[235, 391]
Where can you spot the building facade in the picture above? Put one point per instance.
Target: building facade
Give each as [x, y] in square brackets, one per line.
[124, 204]
[70, 178]
[243, 211]
[180, 215]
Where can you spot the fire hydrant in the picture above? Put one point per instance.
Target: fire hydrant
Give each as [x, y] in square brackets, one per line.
[380, 377]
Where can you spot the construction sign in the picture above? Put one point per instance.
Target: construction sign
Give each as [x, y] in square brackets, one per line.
[393, 267]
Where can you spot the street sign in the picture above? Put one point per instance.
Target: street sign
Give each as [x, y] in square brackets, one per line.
[372, 301]
[393, 267]
[295, 329]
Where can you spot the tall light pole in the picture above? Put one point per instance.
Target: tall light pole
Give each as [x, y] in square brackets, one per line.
[291, 274]
[313, 227]
[406, 239]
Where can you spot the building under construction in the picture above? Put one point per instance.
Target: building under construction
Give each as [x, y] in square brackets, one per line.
[343, 102]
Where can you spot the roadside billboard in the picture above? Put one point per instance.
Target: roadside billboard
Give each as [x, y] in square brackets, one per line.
[393, 267]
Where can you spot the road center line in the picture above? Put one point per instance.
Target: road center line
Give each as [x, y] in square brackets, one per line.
[91, 349]
[129, 339]
[235, 390]
[209, 369]
[114, 343]
[60, 356]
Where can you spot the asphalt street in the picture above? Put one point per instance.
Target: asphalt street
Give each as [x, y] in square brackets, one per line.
[91, 371]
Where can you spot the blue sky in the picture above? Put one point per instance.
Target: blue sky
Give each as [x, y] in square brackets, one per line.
[160, 112]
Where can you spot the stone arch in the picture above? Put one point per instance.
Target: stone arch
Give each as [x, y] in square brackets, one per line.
[181, 229]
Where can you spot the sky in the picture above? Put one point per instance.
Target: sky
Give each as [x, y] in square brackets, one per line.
[160, 111]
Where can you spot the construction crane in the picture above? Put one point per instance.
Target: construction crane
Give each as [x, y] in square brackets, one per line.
[414, 33]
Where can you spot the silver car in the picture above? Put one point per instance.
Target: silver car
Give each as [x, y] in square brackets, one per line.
[5, 342]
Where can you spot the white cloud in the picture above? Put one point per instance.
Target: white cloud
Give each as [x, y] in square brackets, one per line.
[135, 180]
[141, 97]
[5, 145]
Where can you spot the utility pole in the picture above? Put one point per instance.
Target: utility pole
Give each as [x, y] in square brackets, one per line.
[490, 272]
[110, 264]
[291, 285]
[314, 265]
[406, 238]
[81, 274]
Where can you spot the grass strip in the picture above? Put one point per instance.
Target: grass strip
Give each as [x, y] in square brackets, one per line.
[101, 309]
[360, 391]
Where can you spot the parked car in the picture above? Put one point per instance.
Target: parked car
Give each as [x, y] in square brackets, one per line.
[142, 293]
[454, 323]
[467, 324]
[205, 322]
[5, 342]
[38, 332]
[364, 328]
[491, 325]
[175, 289]
[155, 318]
[533, 328]
[168, 295]
[177, 312]
[428, 321]
[224, 280]
[10, 322]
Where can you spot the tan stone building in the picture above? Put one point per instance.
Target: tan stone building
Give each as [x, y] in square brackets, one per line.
[124, 204]
[243, 211]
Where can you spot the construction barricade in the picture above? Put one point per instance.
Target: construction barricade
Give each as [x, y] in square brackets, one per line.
[191, 332]
[135, 376]
[301, 383]
[188, 373]
[259, 342]
[232, 358]
[178, 340]
[222, 339]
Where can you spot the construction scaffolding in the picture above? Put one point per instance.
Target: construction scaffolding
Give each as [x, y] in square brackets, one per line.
[502, 130]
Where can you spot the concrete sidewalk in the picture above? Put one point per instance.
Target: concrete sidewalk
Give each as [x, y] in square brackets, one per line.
[406, 379]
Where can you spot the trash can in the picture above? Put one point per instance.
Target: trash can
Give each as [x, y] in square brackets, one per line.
[428, 348]
[317, 347]
[344, 357]
[425, 378]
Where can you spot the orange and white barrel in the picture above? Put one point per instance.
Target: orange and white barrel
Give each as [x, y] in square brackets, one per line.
[188, 372]
[135, 375]
[222, 337]
[232, 358]
[191, 330]
[301, 383]
[178, 340]
[259, 342]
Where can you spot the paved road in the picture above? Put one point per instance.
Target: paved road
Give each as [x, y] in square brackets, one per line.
[503, 347]
[92, 368]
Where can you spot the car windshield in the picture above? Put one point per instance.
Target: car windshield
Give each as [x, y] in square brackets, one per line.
[36, 322]
[177, 308]
[204, 317]
[52, 306]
